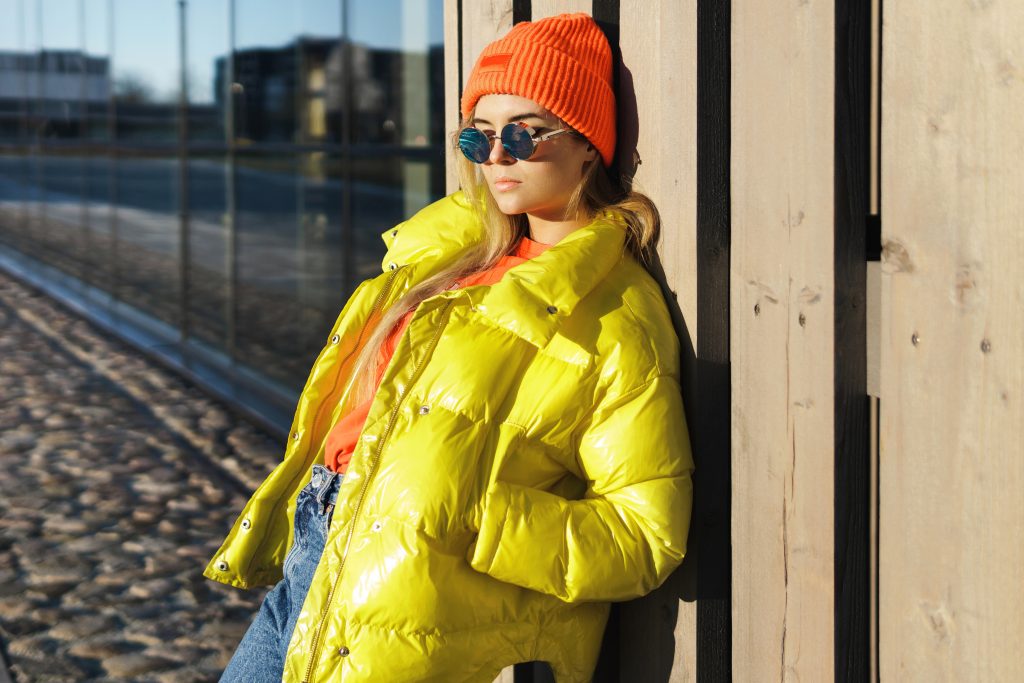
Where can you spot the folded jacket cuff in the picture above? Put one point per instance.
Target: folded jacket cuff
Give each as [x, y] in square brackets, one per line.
[492, 523]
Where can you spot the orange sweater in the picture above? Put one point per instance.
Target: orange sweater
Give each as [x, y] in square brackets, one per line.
[341, 440]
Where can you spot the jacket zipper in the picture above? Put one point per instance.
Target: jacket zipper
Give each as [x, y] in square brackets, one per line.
[316, 419]
[314, 654]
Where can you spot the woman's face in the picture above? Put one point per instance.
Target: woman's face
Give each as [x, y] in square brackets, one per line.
[541, 185]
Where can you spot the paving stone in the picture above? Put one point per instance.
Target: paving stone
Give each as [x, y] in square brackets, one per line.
[102, 649]
[134, 664]
[49, 669]
[115, 495]
[84, 626]
[152, 589]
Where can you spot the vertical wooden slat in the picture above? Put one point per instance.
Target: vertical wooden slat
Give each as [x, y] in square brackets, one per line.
[952, 380]
[547, 8]
[782, 340]
[658, 119]
[659, 54]
[468, 26]
[482, 22]
[452, 86]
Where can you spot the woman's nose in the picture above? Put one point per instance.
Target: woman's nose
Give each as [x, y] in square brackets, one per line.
[499, 155]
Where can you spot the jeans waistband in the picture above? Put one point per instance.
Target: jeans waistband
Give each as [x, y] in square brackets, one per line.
[324, 484]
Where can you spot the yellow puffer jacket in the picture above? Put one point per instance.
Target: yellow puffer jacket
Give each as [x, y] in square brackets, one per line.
[525, 461]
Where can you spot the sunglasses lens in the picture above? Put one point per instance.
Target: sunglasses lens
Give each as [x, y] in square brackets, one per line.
[516, 139]
[475, 145]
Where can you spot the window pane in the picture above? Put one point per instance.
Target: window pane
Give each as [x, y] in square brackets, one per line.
[98, 257]
[287, 71]
[146, 69]
[16, 200]
[147, 229]
[397, 72]
[61, 67]
[208, 248]
[16, 74]
[387, 190]
[98, 77]
[268, 292]
[206, 67]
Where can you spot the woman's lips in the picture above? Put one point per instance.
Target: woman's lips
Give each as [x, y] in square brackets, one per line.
[505, 184]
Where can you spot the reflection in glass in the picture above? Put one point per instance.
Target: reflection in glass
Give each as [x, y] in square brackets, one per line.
[58, 214]
[146, 216]
[397, 72]
[146, 70]
[287, 71]
[267, 292]
[97, 214]
[208, 271]
[337, 108]
[96, 34]
[380, 200]
[15, 200]
[205, 64]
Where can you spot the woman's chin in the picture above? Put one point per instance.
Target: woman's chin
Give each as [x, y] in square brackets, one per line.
[509, 205]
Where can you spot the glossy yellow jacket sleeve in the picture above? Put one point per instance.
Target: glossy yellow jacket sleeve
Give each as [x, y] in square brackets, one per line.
[627, 534]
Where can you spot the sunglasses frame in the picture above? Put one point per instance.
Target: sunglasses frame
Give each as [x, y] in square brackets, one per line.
[511, 128]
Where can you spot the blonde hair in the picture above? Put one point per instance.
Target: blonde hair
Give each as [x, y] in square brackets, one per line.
[596, 192]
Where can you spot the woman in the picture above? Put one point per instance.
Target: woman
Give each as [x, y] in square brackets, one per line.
[491, 446]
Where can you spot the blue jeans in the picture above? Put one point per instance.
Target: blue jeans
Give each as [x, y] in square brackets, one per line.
[260, 655]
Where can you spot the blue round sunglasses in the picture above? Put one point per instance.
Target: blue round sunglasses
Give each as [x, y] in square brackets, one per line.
[518, 139]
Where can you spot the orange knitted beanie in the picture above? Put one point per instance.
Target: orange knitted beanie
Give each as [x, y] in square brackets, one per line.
[563, 63]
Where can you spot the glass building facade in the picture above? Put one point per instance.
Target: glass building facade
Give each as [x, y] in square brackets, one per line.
[211, 177]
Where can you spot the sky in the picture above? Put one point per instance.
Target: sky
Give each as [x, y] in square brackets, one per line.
[146, 31]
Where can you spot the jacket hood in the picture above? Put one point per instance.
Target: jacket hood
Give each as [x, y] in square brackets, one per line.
[533, 297]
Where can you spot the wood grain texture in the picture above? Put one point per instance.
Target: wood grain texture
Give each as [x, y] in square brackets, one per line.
[951, 602]
[547, 8]
[659, 57]
[782, 340]
[452, 89]
[658, 119]
[482, 22]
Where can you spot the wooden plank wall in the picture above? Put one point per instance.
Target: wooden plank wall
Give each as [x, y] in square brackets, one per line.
[951, 603]
[658, 122]
[782, 346]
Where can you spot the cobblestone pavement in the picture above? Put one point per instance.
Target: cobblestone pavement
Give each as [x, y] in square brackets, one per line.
[118, 480]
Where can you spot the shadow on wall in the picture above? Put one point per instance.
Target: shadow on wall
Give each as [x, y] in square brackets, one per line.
[643, 635]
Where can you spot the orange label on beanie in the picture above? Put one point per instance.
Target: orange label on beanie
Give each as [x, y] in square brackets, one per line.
[494, 62]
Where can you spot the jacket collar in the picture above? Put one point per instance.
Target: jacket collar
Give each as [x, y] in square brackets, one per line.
[533, 298]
